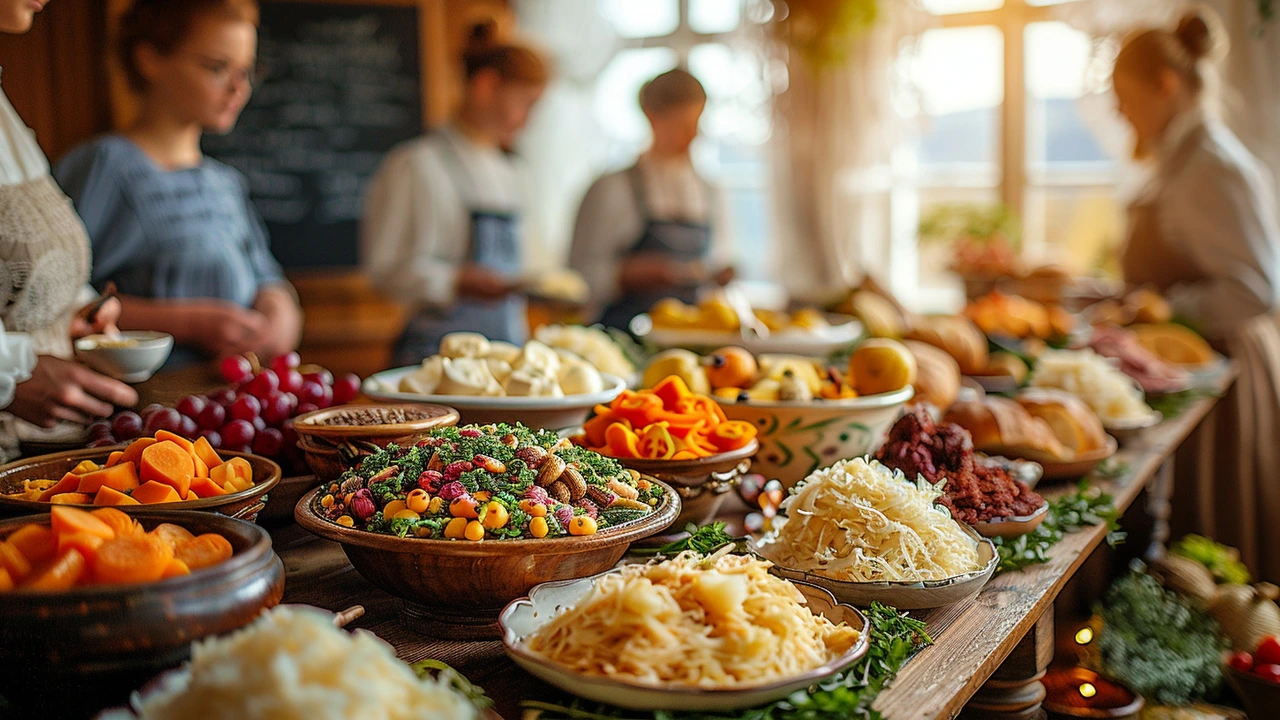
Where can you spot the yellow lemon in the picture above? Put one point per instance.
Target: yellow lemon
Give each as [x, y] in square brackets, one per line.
[881, 365]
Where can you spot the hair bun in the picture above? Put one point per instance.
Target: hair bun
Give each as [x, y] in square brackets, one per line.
[483, 35]
[1200, 34]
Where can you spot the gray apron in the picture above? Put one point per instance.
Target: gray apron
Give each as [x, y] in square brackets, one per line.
[681, 241]
[494, 243]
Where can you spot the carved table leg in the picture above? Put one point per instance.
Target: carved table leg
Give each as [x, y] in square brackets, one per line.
[1159, 507]
[1014, 691]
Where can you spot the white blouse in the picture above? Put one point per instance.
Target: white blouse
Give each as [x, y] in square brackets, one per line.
[415, 229]
[609, 222]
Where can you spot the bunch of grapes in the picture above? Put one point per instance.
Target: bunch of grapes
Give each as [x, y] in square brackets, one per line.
[255, 414]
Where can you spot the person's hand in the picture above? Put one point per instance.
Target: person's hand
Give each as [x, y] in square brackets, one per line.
[104, 321]
[650, 271]
[62, 390]
[725, 276]
[478, 281]
[224, 328]
[284, 321]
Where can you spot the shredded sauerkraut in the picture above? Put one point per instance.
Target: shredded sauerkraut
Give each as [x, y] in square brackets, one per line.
[1107, 391]
[293, 664]
[711, 622]
[858, 521]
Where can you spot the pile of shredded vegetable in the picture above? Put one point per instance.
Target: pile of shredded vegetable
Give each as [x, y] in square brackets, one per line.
[858, 521]
[1102, 386]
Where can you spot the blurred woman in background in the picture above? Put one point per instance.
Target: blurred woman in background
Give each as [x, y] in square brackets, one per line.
[441, 224]
[44, 271]
[656, 229]
[175, 229]
[1204, 232]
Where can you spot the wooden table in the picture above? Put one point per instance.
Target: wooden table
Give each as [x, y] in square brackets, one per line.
[973, 639]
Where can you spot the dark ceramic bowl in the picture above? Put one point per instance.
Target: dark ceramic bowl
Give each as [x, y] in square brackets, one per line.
[337, 438]
[90, 646]
[244, 505]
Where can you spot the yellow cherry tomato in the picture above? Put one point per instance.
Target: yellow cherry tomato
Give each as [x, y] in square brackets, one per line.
[406, 514]
[474, 531]
[482, 496]
[437, 502]
[456, 529]
[418, 500]
[533, 509]
[582, 525]
[346, 521]
[538, 527]
[393, 508]
[465, 507]
[493, 515]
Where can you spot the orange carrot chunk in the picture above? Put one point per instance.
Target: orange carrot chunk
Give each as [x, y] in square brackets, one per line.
[155, 492]
[204, 551]
[6, 582]
[175, 568]
[206, 453]
[175, 535]
[36, 542]
[63, 574]
[168, 463]
[165, 435]
[107, 497]
[205, 487]
[14, 562]
[68, 483]
[114, 458]
[133, 559]
[72, 498]
[65, 520]
[84, 543]
[119, 521]
[122, 477]
[133, 453]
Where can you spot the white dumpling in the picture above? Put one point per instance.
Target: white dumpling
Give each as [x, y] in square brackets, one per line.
[580, 378]
[467, 376]
[501, 369]
[464, 345]
[539, 357]
[529, 382]
[425, 379]
[504, 351]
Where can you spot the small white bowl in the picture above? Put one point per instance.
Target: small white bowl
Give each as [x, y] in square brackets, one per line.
[133, 357]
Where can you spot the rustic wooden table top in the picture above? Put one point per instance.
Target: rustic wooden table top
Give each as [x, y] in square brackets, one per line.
[971, 638]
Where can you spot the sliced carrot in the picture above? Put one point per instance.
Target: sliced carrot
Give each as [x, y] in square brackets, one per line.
[6, 582]
[206, 488]
[202, 470]
[122, 477]
[168, 463]
[175, 568]
[64, 573]
[205, 452]
[72, 498]
[594, 428]
[133, 559]
[65, 520]
[119, 521]
[68, 483]
[107, 497]
[149, 493]
[13, 561]
[85, 466]
[233, 475]
[114, 458]
[165, 435]
[204, 551]
[36, 542]
[175, 535]
[84, 543]
[133, 453]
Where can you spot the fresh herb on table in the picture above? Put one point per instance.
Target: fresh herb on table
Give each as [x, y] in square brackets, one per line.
[1158, 643]
[456, 680]
[1174, 404]
[1069, 513]
[895, 637]
[1222, 561]
[704, 540]
[1110, 469]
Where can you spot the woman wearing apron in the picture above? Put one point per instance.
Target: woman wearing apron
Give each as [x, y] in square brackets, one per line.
[440, 230]
[653, 230]
[1204, 232]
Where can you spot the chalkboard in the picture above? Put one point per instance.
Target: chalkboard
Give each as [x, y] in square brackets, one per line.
[341, 86]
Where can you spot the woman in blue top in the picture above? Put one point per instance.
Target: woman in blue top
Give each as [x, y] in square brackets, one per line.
[174, 229]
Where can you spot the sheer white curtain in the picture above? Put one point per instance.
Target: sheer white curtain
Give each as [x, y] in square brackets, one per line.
[835, 132]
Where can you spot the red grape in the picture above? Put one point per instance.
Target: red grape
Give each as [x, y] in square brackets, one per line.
[237, 433]
[189, 429]
[259, 424]
[269, 442]
[191, 406]
[322, 376]
[278, 408]
[99, 429]
[326, 397]
[236, 369]
[290, 380]
[305, 407]
[212, 417]
[263, 384]
[346, 388]
[223, 397]
[164, 419]
[213, 437]
[1241, 661]
[150, 410]
[311, 392]
[1269, 673]
[127, 425]
[238, 448]
[287, 361]
[246, 407]
[102, 442]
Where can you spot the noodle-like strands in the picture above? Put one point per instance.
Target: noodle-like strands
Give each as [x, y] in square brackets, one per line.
[859, 522]
[715, 622]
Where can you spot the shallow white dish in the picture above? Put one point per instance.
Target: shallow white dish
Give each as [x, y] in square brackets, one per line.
[135, 363]
[523, 617]
[904, 595]
[843, 331]
[1129, 429]
[535, 412]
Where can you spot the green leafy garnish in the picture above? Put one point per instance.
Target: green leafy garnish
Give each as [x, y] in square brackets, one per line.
[1110, 469]
[1174, 404]
[1069, 513]
[455, 680]
[704, 540]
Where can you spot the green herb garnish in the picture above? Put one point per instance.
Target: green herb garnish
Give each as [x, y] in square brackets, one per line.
[1067, 514]
[456, 680]
[703, 540]
[1174, 404]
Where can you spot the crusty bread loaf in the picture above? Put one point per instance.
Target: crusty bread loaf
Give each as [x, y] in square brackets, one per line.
[1075, 425]
[1000, 426]
[955, 334]
[937, 375]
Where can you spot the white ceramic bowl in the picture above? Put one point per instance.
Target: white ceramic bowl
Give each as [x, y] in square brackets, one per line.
[906, 595]
[797, 438]
[842, 332]
[523, 617]
[133, 357]
[535, 412]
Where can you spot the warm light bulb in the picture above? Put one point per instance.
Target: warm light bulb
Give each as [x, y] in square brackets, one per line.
[1084, 635]
[1088, 690]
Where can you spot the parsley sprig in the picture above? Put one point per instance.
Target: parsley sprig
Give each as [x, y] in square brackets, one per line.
[1083, 508]
[704, 540]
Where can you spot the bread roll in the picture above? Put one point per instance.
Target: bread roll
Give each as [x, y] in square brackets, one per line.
[937, 375]
[1073, 423]
[958, 336]
[1000, 426]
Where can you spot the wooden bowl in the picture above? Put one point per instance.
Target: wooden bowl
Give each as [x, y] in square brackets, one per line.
[457, 588]
[330, 449]
[244, 505]
[91, 646]
[285, 496]
[1261, 698]
[703, 483]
